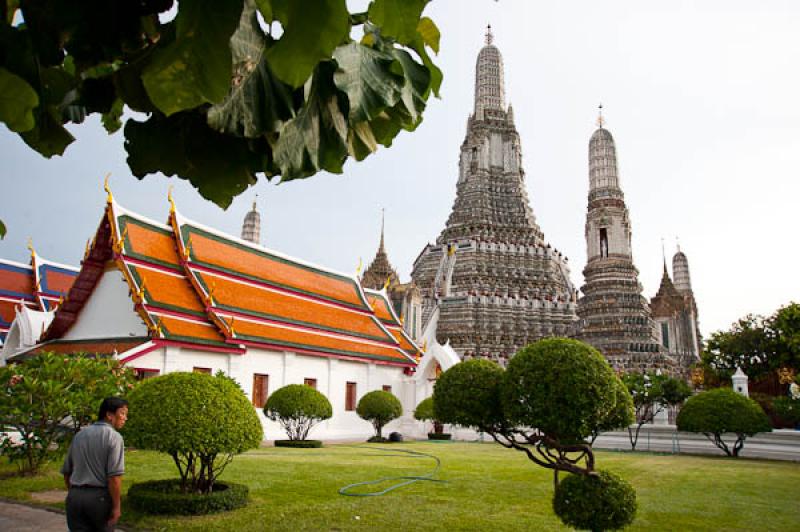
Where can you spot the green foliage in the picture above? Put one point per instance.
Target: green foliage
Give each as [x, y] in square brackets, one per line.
[788, 409]
[468, 394]
[298, 408]
[720, 411]
[564, 388]
[379, 408]
[424, 410]
[165, 497]
[299, 444]
[652, 393]
[227, 99]
[756, 344]
[209, 420]
[621, 415]
[2, 230]
[595, 502]
[49, 398]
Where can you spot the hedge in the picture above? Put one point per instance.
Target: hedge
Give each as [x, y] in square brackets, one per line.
[165, 497]
[299, 444]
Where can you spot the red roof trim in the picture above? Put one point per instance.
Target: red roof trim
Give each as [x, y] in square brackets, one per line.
[323, 332]
[361, 360]
[200, 347]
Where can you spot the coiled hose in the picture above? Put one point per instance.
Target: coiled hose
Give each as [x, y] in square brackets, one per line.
[406, 480]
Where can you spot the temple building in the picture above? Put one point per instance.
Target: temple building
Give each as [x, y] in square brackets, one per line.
[34, 290]
[491, 284]
[405, 297]
[675, 312]
[180, 296]
[614, 316]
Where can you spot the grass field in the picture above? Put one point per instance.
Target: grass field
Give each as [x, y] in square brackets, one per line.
[487, 488]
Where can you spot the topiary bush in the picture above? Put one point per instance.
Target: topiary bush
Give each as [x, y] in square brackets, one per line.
[554, 394]
[425, 412]
[602, 501]
[564, 388]
[721, 411]
[468, 394]
[167, 497]
[201, 421]
[298, 408]
[299, 444]
[379, 408]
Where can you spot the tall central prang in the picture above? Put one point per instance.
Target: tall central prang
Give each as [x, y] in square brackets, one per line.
[490, 283]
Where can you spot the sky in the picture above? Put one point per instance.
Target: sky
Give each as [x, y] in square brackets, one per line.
[703, 100]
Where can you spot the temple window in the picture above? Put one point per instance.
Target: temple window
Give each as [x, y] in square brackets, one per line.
[665, 334]
[311, 383]
[197, 369]
[260, 389]
[603, 242]
[350, 397]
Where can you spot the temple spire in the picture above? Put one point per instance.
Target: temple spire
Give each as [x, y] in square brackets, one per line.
[251, 228]
[489, 83]
[383, 216]
[603, 158]
[600, 120]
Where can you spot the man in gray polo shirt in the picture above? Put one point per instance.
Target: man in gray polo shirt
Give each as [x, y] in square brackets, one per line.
[93, 470]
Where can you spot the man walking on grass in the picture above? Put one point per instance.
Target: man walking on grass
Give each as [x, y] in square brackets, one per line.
[93, 470]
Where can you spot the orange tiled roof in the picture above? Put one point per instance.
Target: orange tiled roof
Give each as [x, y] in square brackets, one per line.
[276, 301]
[18, 282]
[290, 337]
[383, 311]
[160, 287]
[228, 255]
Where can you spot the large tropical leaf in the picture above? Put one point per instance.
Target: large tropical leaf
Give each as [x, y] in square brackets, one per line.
[219, 166]
[17, 102]
[2, 230]
[364, 75]
[316, 139]
[397, 18]
[417, 80]
[195, 68]
[312, 29]
[258, 103]
[48, 137]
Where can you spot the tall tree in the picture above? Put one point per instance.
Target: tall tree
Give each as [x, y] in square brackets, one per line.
[231, 89]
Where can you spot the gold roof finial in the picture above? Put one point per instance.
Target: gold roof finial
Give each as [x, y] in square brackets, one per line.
[600, 120]
[489, 36]
[171, 201]
[110, 197]
[358, 268]
[387, 282]
[30, 247]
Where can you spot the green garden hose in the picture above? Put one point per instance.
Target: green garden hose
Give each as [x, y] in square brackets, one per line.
[406, 479]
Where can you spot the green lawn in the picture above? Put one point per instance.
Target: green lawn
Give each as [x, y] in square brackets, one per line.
[487, 487]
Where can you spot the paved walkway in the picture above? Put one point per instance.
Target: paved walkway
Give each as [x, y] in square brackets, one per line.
[23, 518]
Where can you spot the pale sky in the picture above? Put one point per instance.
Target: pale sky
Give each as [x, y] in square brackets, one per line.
[702, 99]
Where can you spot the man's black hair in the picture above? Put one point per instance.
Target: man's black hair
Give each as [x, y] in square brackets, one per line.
[110, 405]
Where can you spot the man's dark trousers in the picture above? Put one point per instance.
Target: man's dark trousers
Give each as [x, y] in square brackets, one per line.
[88, 509]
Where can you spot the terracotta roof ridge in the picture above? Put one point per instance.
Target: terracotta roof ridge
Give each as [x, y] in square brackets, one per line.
[183, 220]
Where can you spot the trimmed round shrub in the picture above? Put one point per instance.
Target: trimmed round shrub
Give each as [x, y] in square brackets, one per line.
[299, 444]
[722, 410]
[563, 387]
[424, 410]
[379, 408]
[468, 394]
[595, 502]
[167, 497]
[197, 419]
[298, 408]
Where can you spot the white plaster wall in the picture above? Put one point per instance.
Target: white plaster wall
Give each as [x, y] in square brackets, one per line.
[284, 368]
[108, 313]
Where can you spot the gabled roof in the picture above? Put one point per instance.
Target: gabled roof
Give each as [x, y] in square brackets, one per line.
[39, 286]
[94, 346]
[194, 285]
[385, 312]
[260, 297]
